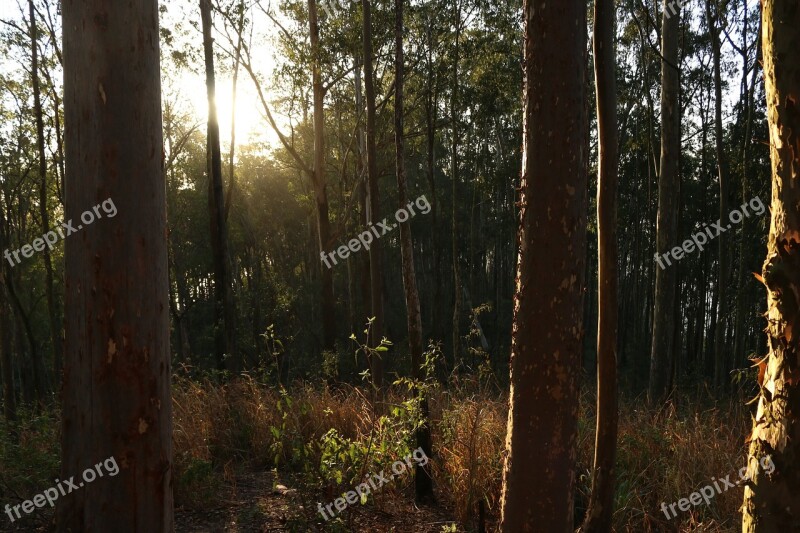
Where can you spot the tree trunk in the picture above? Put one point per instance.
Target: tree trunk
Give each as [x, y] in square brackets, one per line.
[663, 346]
[771, 499]
[375, 259]
[224, 333]
[116, 392]
[720, 366]
[601, 503]
[423, 484]
[9, 395]
[454, 176]
[547, 335]
[55, 330]
[319, 182]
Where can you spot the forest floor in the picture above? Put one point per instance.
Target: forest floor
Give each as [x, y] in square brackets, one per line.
[258, 503]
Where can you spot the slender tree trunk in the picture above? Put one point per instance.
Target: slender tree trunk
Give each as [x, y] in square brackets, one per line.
[55, 330]
[9, 395]
[662, 347]
[741, 333]
[771, 498]
[720, 352]
[224, 333]
[423, 483]
[457, 311]
[320, 184]
[601, 503]
[375, 257]
[116, 393]
[234, 86]
[547, 335]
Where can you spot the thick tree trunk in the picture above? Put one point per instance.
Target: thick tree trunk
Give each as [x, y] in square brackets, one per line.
[224, 312]
[601, 503]
[663, 340]
[373, 213]
[423, 483]
[771, 499]
[547, 335]
[55, 330]
[116, 393]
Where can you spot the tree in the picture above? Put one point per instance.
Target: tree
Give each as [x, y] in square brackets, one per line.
[720, 352]
[663, 339]
[55, 329]
[373, 200]
[771, 500]
[320, 183]
[601, 502]
[547, 333]
[224, 310]
[116, 392]
[422, 482]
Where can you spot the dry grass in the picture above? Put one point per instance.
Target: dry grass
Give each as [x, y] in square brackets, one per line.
[221, 431]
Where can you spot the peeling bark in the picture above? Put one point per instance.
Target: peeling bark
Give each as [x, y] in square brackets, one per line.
[772, 501]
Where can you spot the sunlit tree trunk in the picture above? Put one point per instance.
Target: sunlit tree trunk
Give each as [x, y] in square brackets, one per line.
[547, 334]
[116, 392]
[772, 498]
[601, 503]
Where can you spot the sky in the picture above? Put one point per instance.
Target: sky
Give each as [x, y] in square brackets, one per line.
[251, 126]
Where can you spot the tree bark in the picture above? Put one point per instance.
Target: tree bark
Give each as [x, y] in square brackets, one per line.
[663, 340]
[116, 392]
[771, 498]
[547, 334]
[601, 503]
[224, 312]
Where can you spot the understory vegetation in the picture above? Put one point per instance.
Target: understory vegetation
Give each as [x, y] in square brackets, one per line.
[323, 441]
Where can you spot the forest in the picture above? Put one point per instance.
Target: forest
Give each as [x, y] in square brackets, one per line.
[400, 265]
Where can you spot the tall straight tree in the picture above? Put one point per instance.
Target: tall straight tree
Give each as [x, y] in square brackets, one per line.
[422, 482]
[320, 183]
[375, 258]
[44, 214]
[662, 344]
[547, 334]
[601, 502]
[772, 501]
[224, 313]
[720, 352]
[116, 392]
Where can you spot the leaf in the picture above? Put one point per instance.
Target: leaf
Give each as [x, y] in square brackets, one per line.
[759, 278]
